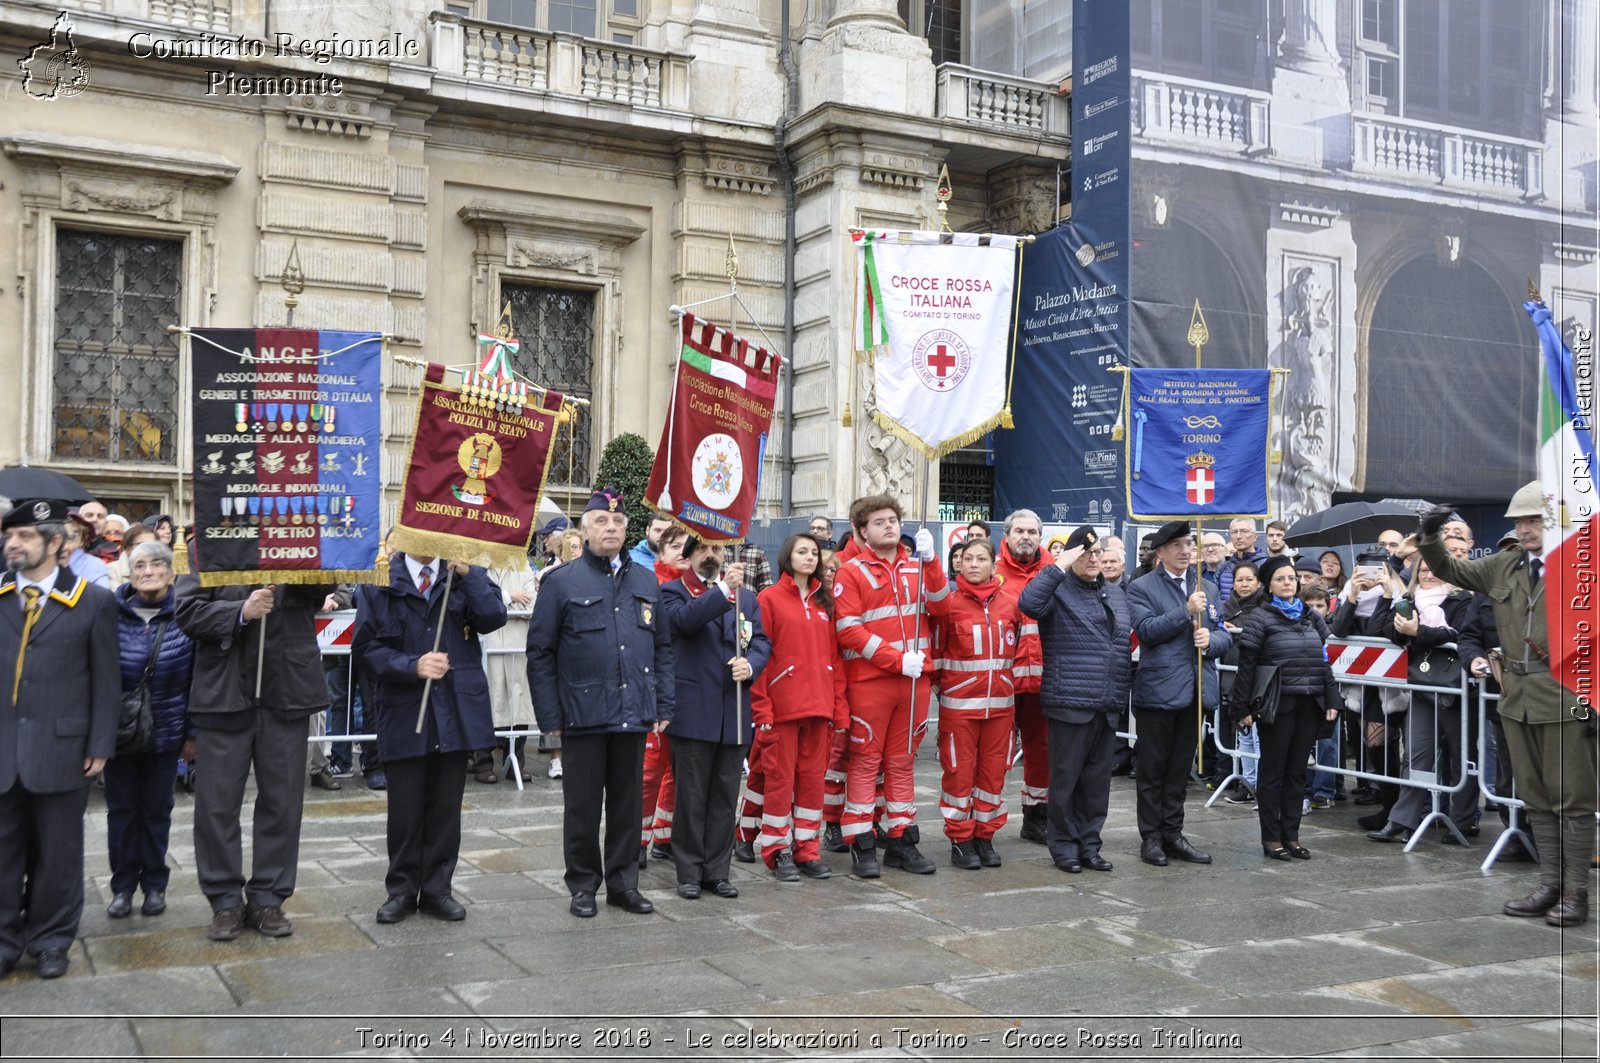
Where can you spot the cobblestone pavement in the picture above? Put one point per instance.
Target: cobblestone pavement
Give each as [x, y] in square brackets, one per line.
[1364, 952]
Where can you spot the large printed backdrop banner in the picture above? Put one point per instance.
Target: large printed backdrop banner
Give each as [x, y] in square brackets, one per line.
[1197, 443]
[707, 471]
[287, 440]
[473, 480]
[944, 309]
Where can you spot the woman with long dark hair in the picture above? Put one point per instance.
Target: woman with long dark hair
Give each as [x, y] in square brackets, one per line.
[797, 703]
[1284, 634]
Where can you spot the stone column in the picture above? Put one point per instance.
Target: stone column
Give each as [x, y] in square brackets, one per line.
[1309, 35]
[1574, 65]
[886, 12]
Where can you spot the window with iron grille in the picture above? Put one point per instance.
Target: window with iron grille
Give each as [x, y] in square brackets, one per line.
[115, 368]
[556, 330]
[966, 487]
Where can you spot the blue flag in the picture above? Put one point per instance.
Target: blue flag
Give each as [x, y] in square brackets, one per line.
[1197, 443]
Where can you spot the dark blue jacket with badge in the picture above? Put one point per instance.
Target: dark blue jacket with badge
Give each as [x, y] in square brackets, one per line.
[1165, 677]
[703, 643]
[395, 626]
[599, 649]
[174, 664]
[1085, 637]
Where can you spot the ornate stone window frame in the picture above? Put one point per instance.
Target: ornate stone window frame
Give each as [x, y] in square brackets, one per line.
[553, 245]
[108, 186]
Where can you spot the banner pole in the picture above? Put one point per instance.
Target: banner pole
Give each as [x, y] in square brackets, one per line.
[738, 687]
[916, 628]
[438, 637]
[261, 653]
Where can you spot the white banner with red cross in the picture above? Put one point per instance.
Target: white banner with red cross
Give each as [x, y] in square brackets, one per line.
[939, 307]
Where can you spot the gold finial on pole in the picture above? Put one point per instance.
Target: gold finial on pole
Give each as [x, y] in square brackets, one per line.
[1533, 292]
[944, 193]
[730, 262]
[502, 328]
[1199, 335]
[293, 281]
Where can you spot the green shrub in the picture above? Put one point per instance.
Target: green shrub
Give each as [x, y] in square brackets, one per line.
[625, 465]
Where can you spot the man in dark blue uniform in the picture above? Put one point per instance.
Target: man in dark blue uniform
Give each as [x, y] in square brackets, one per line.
[59, 669]
[600, 669]
[394, 641]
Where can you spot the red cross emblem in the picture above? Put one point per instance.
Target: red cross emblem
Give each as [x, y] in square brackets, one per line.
[1200, 486]
[942, 361]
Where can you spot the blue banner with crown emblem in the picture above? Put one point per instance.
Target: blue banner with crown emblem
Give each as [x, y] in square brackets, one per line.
[1197, 443]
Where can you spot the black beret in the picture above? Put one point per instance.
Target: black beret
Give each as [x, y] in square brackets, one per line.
[1168, 532]
[1084, 537]
[30, 511]
[1306, 564]
[605, 499]
[1265, 570]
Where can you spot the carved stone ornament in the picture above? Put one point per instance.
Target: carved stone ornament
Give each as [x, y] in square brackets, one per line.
[157, 202]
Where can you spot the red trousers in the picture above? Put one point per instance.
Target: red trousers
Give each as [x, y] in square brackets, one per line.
[833, 781]
[785, 799]
[885, 728]
[660, 794]
[1035, 732]
[975, 754]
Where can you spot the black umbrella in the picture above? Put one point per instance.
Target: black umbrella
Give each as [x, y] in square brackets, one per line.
[1350, 523]
[25, 481]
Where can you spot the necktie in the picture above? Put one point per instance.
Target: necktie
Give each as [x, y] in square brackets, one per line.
[30, 610]
[1535, 571]
[425, 579]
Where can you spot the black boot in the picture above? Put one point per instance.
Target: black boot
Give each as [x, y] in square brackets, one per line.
[1033, 823]
[903, 853]
[832, 840]
[965, 856]
[864, 857]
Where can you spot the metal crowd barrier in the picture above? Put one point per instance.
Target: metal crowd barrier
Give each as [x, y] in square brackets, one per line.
[1387, 671]
[334, 631]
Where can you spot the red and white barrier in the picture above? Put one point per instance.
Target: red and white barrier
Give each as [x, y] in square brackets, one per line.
[1353, 660]
[336, 631]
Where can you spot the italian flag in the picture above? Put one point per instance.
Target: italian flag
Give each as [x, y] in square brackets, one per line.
[1567, 474]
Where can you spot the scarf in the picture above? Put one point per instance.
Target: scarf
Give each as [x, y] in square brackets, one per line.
[1293, 608]
[1430, 605]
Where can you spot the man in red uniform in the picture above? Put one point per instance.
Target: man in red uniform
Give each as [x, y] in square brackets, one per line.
[884, 635]
[833, 780]
[1020, 561]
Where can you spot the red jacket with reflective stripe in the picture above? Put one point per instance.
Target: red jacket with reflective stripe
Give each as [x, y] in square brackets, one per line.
[1014, 577]
[876, 614]
[804, 677]
[976, 635]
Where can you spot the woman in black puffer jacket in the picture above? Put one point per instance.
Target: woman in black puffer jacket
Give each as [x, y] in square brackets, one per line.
[1285, 634]
[139, 785]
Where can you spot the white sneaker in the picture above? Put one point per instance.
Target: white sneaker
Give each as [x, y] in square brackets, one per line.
[1305, 806]
[555, 768]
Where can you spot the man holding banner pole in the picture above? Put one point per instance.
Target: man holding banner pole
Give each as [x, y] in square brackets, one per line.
[880, 622]
[1181, 637]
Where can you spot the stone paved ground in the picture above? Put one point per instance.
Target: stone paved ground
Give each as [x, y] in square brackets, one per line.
[1364, 952]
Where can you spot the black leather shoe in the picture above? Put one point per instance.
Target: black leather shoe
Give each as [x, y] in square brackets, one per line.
[1298, 851]
[784, 869]
[396, 908]
[1070, 864]
[744, 852]
[864, 858]
[814, 869]
[965, 856]
[1538, 902]
[1390, 832]
[986, 854]
[1150, 851]
[689, 891]
[1571, 910]
[52, 963]
[443, 907]
[833, 840]
[155, 902]
[662, 852]
[1184, 850]
[721, 887]
[630, 901]
[121, 906]
[583, 905]
[1096, 862]
[1276, 853]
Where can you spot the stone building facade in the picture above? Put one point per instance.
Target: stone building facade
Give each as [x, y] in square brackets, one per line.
[585, 160]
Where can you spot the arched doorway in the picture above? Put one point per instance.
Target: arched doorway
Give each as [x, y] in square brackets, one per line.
[1452, 382]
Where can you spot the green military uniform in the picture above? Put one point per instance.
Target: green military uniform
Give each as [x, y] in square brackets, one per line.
[1553, 754]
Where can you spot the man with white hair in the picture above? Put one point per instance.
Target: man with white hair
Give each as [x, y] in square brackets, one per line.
[1020, 560]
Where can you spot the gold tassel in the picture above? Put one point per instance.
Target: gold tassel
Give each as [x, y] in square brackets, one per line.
[1006, 420]
[1117, 432]
[846, 419]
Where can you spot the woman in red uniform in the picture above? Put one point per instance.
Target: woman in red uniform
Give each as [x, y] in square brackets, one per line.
[797, 704]
[660, 795]
[976, 642]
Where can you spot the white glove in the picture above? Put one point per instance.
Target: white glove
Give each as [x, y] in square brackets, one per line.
[911, 664]
[924, 545]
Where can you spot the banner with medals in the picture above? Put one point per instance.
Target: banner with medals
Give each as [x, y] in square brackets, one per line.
[477, 467]
[707, 471]
[1197, 443]
[287, 444]
[941, 304]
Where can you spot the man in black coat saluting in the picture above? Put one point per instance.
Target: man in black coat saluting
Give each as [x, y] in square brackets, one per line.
[394, 639]
[58, 665]
[601, 676]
